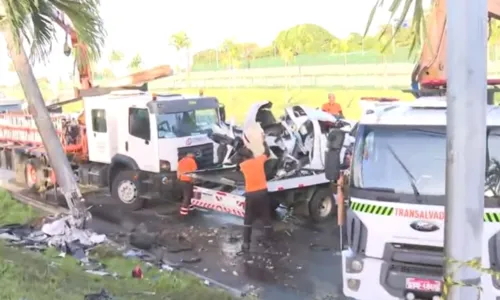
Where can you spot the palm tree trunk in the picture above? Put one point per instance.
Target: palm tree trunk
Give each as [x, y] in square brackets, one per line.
[57, 157]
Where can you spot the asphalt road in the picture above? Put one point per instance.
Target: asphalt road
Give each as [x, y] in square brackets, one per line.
[303, 263]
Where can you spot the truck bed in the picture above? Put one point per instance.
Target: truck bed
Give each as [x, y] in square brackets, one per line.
[226, 176]
[231, 177]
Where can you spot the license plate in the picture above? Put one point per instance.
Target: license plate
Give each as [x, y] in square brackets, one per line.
[425, 285]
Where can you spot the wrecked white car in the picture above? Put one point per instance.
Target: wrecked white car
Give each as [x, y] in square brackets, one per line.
[297, 145]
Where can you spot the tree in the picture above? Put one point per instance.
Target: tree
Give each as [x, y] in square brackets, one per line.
[136, 62]
[181, 41]
[231, 54]
[88, 24]
[248, 51]
[304, 38]
[116, 56]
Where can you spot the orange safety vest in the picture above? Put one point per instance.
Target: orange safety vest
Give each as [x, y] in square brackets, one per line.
[186, 165]
[254, 174]
[332, 108]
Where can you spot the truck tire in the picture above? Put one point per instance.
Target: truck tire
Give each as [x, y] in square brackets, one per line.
[322, 205]
[125, 189]
[33, 173]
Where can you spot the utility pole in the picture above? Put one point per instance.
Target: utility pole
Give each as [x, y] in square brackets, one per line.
[466, 145]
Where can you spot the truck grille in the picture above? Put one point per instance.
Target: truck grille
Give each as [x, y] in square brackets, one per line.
[204, 154]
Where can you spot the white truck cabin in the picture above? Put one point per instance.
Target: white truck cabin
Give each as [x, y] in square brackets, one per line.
[153, 131]
[395, 224]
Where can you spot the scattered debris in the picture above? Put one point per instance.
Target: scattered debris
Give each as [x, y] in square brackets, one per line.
[191, 260]
[320, 248]
[141, 238]
[137, 272]
[103, 295]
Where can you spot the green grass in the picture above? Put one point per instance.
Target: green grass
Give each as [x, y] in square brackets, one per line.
[367, 57]
[238, 101]
[35, 276]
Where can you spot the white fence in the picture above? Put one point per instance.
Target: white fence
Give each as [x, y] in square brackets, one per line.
[365, 75]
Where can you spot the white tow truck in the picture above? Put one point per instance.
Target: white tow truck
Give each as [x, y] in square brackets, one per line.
[396, 197]
[296, 168]
[131, 142]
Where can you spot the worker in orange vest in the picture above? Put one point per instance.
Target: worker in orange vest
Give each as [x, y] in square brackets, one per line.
[257, 205]
[186, 164]
[332, 107]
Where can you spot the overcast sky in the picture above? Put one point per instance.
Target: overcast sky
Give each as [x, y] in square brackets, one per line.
[144, 26]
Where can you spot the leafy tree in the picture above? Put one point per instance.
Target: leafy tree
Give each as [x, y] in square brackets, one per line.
[304, 38]
[231, 54]
[248, 51]
[344, 48]
[354, 42]
[116, 56]
[107, 73]
[181, 41]
[85, 18]
[136, 62]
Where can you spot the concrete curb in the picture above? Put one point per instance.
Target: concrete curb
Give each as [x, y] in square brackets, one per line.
[59, 210]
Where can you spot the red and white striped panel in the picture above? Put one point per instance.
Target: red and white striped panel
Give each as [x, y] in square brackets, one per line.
[217, 207]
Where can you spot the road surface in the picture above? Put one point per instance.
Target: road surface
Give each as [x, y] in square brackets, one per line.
[303, 263]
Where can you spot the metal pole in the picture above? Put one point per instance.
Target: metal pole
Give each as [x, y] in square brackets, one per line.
[466, 144]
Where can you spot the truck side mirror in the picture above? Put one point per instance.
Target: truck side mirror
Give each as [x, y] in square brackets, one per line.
[333, 162]
[222, 113]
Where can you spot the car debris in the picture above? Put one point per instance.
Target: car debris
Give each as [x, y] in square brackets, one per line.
[102, 295]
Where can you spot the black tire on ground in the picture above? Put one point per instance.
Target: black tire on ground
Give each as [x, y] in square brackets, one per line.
[33, 174]
[322, 205]
[125, 189]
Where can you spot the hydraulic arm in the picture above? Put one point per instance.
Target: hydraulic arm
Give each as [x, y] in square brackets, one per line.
[431, 67]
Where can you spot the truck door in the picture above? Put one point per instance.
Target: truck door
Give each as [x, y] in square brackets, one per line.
[140, 144]
[98, 137]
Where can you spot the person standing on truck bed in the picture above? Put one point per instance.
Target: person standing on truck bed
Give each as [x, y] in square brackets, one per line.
[257, 205]
[186, 164]
[332, 107]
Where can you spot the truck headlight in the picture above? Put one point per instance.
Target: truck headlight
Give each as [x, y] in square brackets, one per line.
[164, 165]
[357, 265]
[353, 265]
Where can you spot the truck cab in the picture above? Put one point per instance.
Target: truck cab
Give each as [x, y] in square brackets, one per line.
[133, 132]
[395, 220]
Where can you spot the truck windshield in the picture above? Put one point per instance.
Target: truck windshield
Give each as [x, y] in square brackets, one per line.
[188, 123]
[387, 157]
[409, 159]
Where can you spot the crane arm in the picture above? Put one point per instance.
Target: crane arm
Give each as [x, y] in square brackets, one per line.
[431, 66]
[84, 70]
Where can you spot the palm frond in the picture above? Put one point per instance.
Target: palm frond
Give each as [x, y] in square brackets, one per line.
[15, 20]
[33, 20]
[418, 21]
[87, 22]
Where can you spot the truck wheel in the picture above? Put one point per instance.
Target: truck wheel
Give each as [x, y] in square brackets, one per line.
[125, 189]
[322, 205]
[33, 174]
